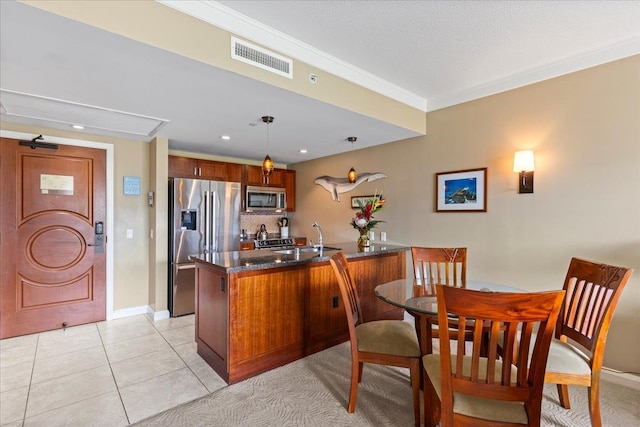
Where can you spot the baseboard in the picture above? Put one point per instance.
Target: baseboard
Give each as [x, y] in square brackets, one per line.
[159, 315]
[131, 311]
[142, 309]
[622, 378]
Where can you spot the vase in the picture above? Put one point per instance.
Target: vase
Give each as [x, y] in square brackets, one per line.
[363, 240]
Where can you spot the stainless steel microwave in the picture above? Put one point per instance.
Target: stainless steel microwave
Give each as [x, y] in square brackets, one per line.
[265, 198]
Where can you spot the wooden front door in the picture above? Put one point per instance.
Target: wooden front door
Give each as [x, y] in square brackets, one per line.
[52, 266]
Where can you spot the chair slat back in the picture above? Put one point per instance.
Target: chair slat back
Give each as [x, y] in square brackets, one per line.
[592, 293]
[348, 291]
[515, 316]
[440, 266]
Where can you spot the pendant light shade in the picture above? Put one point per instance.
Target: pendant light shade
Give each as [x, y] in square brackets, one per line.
[267, 163]
[352, 176]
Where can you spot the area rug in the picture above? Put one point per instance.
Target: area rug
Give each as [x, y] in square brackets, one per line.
[314, 392]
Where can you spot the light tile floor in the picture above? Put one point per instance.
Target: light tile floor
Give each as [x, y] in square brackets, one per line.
[111, 373]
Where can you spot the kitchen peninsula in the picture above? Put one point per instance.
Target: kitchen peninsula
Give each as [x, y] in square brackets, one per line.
[257, 310]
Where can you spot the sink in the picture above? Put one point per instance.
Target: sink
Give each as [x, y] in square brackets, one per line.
[305, 249]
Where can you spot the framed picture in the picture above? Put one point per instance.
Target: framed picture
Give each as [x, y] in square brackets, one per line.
[462, 191]
[361, 199]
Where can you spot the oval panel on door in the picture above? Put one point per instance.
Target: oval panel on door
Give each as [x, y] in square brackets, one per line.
[69, 247]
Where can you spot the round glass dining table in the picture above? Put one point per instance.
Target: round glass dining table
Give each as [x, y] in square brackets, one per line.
[419, 300]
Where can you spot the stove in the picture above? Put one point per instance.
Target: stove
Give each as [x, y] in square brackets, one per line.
[273, 243]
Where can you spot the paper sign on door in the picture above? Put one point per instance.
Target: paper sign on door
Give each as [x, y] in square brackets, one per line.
[56, 184]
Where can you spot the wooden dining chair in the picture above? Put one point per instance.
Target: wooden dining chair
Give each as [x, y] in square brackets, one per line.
[440, 266]
[592, 293]
[467, 389]
[432, 267]
[384, 342]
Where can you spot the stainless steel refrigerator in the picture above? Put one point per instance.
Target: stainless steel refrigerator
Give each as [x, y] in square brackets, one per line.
[204, 216]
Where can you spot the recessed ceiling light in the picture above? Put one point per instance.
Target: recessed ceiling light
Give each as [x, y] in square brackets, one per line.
[77, 127]
[225, 137]
[303, 151]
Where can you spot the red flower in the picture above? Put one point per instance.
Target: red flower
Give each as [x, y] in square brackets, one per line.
[363, 220]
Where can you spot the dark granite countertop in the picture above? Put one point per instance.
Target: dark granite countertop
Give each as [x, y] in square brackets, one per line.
[237, 261]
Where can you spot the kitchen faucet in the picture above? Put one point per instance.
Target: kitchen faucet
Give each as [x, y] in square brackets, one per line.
[317, 227]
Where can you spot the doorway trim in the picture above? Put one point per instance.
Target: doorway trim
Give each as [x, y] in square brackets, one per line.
[109, 148]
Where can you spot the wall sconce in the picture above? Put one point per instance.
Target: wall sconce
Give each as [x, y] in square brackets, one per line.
[523, 163]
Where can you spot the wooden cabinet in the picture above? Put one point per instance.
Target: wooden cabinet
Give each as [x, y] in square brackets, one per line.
[267, 320]
[290, 186]
[247, 246]
[253, 176]
[277, 315]
[212, 316]
[185, 167]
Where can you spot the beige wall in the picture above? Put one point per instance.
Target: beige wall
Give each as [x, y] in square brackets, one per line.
[585, 130]
[158, 225]
[131, 275]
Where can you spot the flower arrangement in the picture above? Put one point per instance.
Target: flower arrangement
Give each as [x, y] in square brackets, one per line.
[363, 221]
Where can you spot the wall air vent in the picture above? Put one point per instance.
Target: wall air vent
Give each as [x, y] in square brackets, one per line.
[261, 58]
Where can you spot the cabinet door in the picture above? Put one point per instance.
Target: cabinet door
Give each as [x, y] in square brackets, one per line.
[215, 171]
[212, 322]
[277, 178]
[234, 172]
[290, 185]
[253, 176]
[182, 167]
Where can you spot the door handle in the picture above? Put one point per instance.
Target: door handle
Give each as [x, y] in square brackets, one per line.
[99, 237]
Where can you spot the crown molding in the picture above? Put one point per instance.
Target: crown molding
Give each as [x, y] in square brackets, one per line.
[243, 26]
[250, 29]
[624, 49]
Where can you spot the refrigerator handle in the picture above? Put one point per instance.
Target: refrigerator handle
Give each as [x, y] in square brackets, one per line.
[215, 208]
[207, 221]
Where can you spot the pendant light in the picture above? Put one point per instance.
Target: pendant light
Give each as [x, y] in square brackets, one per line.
[267, 163]
[352, 175]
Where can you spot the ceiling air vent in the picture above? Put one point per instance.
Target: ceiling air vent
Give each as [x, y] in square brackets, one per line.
[261, 58]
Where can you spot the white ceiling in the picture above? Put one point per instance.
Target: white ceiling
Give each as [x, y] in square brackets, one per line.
[428, 54]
